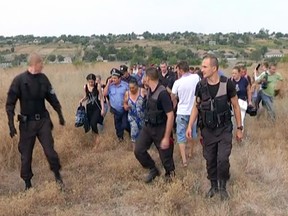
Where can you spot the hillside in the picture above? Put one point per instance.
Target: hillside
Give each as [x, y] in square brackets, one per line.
[108, 180]
[146, 48]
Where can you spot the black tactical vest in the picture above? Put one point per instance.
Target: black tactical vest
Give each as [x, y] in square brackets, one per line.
[214, 112]
[154, 116]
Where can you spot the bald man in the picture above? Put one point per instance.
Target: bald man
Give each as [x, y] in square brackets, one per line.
[31, 88]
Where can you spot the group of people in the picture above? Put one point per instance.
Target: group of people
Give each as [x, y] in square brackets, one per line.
[148, 103]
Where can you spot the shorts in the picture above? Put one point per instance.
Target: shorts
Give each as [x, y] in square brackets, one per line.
[181, 127]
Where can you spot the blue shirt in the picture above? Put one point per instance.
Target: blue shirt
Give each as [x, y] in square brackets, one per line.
[116, 95]
[241, 88]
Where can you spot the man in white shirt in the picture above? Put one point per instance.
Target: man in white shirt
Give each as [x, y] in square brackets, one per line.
[184, 89]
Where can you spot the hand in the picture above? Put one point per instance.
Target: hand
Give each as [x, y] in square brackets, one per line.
[126, 107]
[189, 133]
[61, 120]
[165, 143]
[102, 112]
[110, 81]
[13, 131]
[239, 135]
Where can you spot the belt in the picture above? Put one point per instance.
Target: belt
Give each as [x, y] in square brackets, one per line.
[36, 117]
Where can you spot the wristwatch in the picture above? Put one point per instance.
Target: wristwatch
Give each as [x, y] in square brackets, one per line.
[240, 128]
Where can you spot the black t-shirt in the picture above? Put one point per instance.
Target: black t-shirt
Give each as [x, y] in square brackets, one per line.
[164, 101]
[168, 80]
[213, 89]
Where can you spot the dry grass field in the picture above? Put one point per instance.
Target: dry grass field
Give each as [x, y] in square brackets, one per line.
[108, 180]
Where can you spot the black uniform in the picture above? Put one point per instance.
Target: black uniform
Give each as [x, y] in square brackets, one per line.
[158, 104]
[32, 90]
[213, 103]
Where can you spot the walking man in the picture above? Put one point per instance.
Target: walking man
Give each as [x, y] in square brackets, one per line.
[214, 94]
[159, 119]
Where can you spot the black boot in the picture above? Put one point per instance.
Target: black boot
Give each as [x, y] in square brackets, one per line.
[213, 190]
[28, 184]
[223, 192]
[59, 180]
[169, 176]
[153, 173]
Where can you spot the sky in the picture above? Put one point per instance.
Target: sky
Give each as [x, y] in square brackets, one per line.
[88, 17]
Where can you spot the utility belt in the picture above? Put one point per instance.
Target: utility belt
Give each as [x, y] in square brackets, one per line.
[32, 117]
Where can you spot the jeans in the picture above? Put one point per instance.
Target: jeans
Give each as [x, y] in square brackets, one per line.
[268, 104]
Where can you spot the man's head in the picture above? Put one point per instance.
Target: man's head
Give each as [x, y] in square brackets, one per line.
[243, 70]
[209, 66]
[35, 63]
[265, 66]
[124, 70]
[163, 67]
[272, 68]
[182, 67]
[151, 76]
[115, 76]
[140, 70]
[191, 69]
[236, 73]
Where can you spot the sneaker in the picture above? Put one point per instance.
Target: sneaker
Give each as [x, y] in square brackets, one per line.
[153, 173]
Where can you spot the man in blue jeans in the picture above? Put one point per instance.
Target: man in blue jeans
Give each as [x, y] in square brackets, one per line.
[116, 89]
[269, 81]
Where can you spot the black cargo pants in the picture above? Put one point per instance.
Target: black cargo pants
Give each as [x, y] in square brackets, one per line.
[42, 129]
[217, 146]
[147, 136]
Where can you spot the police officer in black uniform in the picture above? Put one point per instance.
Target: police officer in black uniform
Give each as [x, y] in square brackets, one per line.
[214, 95]
[159, 119]
[32, 87]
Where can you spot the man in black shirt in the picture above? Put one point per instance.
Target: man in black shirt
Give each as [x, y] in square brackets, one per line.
[166, 77]
[159, 119]
[32, 87]
[214, 95]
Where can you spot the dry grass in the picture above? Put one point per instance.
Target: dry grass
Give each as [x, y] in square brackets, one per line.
[108, 180]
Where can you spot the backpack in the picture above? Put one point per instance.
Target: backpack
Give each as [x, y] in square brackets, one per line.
[81, 118]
